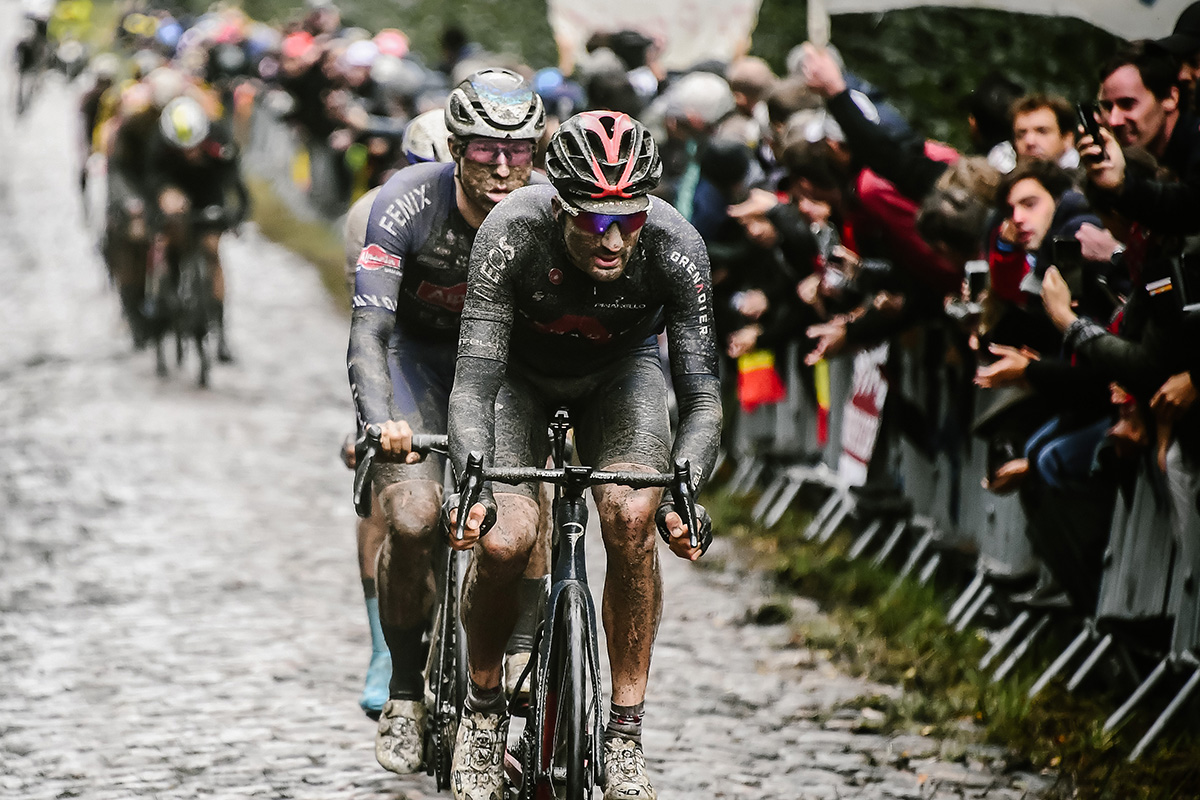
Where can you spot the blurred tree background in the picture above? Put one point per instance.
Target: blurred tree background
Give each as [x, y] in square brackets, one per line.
[927, 60]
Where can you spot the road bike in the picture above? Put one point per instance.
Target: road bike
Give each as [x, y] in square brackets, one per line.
[446, 661]
[558, 755]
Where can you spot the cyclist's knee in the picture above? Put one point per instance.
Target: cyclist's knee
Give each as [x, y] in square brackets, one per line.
[507, 546]
[412, 510]
[627, 520]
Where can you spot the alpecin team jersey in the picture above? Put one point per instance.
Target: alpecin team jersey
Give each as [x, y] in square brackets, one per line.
[415, 256]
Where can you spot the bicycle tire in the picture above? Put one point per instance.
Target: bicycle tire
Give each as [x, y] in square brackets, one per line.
[578, 785]
[565, 771]
[446, 675]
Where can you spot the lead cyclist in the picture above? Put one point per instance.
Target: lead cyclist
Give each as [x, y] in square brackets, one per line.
[568, 288]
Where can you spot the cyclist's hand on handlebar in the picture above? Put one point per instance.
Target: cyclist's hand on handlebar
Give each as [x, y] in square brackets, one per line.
[675, 533]
[395, 439]
[480, 519]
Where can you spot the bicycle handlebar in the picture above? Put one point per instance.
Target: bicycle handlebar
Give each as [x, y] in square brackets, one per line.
[368, 450]
[679, 482]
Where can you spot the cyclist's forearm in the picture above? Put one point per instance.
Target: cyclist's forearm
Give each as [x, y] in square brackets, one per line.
[472, 419]
[699, 434]
[370, 379]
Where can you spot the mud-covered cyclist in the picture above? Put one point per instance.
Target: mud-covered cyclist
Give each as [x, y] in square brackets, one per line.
[569, 286]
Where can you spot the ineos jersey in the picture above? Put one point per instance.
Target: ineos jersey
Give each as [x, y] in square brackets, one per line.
[529, 307]
[562, 322]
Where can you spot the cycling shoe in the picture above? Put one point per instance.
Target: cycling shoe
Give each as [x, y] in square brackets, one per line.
[401, 736]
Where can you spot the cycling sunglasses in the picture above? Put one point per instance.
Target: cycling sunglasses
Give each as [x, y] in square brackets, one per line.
[485, 151]
[597, 224]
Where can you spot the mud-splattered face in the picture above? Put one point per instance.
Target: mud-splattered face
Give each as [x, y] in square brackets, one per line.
[486, 182]
[604, 256]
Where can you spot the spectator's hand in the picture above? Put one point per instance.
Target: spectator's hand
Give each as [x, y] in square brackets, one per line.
[1174, 398]
[888, 303]
[1107, 174]
[752, 303]
[831, 338]
[1008, 232]
[1007, 370]
[821, 71]
[846, 259]
[395, 437]
[1056, 297]
[742, 341]
[758, 203]
[809, 292]
[1098, 243]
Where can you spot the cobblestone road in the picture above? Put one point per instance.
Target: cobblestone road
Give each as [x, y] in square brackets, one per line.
[180, 614]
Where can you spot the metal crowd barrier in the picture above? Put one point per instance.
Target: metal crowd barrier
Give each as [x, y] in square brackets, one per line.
[1151, 569]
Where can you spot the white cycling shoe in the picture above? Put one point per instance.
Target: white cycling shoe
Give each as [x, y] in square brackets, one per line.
[477, 769]
[401, 736]
[625, 771]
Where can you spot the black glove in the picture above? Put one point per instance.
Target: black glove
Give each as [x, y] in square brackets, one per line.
[703, 537]
[485, 498]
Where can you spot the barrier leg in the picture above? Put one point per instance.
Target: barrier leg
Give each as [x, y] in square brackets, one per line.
[786, 496]
[1090, 663]
[930, 568]
[764, 503]
[890, 543]
[1141, 691]
[964, 600]
[1021, 649]
[1165, 717]
[835, 509]
[974, 609]
[1061, 662]
[741, 481]
[1006, 638]
[835, 522]
[864, 539]
[915, 556]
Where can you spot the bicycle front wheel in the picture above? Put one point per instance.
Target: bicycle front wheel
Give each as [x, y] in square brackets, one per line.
[568, 714]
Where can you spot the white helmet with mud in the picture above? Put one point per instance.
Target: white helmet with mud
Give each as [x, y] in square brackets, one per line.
[496, 103]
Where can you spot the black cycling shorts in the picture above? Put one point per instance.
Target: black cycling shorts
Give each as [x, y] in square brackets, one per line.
[619, 414]
[422, 373]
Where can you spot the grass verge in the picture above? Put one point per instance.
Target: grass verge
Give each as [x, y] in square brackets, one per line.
[313, 240]
[896, 632]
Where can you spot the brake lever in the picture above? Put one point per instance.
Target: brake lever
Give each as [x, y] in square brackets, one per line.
[468, 492]
[685, 500]
[365, 450]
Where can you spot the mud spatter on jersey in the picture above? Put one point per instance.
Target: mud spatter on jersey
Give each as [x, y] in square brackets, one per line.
[529, 305]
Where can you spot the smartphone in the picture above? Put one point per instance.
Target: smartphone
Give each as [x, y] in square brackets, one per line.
[1087, 120]
[1067, 253]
